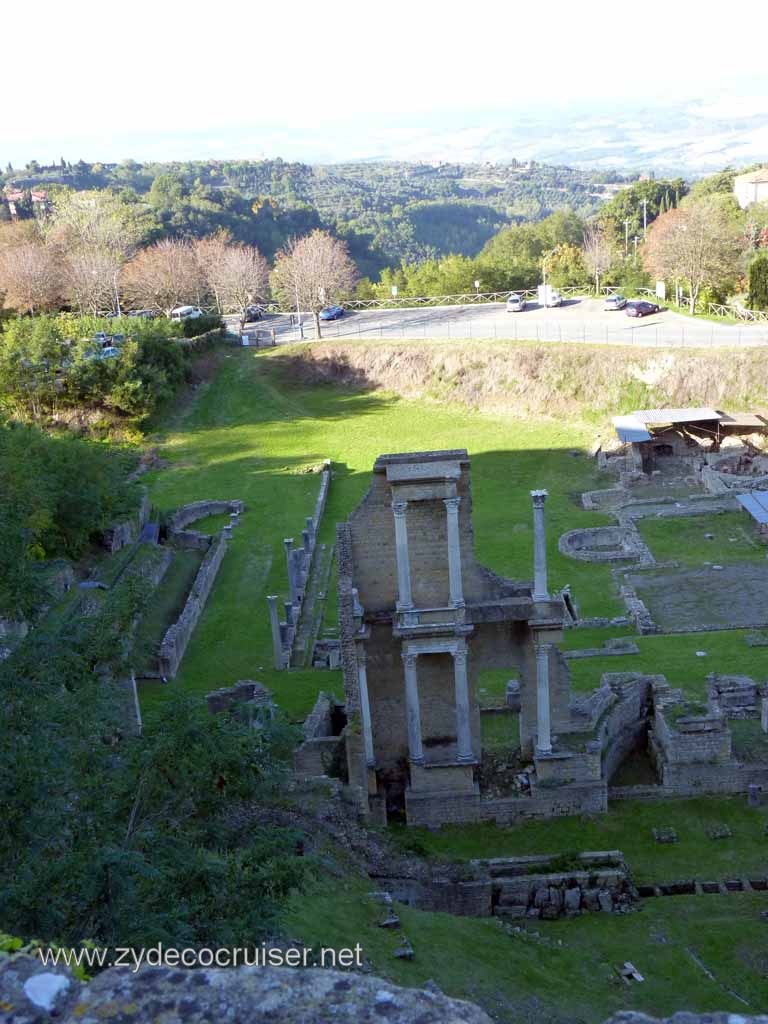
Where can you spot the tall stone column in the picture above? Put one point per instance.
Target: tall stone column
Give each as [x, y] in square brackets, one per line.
[365, 709]
[463, 727]
[454, 553]
[274, 622]
[415, 749]
[292, 582]
[543, 736]
[540, 590]
[401, 552]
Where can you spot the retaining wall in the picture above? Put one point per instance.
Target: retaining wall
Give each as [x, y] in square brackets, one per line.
[175, 641]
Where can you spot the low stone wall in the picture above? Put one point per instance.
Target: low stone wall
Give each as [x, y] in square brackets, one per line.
[524, 887]
[320, 744]
[605, 544]
[126, 531]
[247, 691]
[175, 641]
[183, 538]
[464, 898]
[547, 802]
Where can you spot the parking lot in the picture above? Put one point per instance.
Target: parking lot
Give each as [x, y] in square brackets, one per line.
[577, 320]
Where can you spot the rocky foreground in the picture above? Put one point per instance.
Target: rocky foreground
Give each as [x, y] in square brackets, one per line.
[31, 993]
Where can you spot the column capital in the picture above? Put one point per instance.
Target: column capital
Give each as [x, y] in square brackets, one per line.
[409, 659]
[399, 507]
[452, 504]
[460, 655]
[288, 541]
[539, 497]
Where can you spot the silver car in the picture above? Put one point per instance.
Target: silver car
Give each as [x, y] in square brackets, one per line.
[615, 302]
[515, 303]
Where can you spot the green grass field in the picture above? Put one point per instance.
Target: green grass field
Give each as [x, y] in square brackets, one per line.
[567, 974]
[684, 539]
[251, 435]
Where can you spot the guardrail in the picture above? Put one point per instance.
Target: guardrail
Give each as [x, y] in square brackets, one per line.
[757, 316]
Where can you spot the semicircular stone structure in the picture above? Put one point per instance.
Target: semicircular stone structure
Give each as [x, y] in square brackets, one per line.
[605, 544]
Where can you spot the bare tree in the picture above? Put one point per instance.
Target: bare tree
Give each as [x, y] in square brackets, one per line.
[165, 275]
[211, 256]
[313, 271]
[598, 250]
[95, 234]
[29, 271]
[700, 244]
[245, 278]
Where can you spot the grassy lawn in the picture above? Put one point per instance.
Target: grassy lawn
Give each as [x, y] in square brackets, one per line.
[500, 732]
[165, 605]
[673, 656]
[684, 540]
[628, 827]
[568, 973]
[251, 435]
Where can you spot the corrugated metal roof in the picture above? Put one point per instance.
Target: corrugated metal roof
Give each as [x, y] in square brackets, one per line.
[742, 419]
[630, 429]
[756, 503]
[675, 415]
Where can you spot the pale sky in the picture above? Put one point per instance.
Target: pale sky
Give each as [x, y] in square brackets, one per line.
[166, 79]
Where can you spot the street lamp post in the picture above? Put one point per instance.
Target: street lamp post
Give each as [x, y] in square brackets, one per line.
[645, 218]
[636, 239]
[626, 238]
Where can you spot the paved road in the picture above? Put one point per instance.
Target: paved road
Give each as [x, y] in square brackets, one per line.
[578, 320]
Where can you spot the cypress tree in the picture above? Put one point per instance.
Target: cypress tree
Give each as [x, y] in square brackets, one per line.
[758, 282]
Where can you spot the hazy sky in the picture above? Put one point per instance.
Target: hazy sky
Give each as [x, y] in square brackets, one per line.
[164, 79]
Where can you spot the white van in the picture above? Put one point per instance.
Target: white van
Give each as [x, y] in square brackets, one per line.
[186, 313]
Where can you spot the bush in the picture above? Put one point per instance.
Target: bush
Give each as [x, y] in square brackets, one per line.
[202, 325]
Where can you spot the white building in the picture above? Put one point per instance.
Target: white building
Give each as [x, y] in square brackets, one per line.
[752, 187]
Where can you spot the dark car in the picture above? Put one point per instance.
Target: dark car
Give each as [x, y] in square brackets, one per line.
[331, 312]
[639, 307]
[253, 313]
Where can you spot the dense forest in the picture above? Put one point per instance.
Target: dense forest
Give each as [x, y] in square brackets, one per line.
[386, 212]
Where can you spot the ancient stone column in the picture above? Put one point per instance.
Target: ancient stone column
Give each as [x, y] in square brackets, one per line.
[454, 553]
[365, 709]
[764, 710]
[292, 585]
[543, 738]
[540, 591]
[274, 622]
[401, 552]
[463, 728]
[415, 749]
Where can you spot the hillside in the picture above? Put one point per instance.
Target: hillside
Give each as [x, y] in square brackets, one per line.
[394, 210]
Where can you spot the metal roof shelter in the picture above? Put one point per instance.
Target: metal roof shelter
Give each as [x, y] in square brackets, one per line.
[630, 429]
[756, 503]
[675, 415]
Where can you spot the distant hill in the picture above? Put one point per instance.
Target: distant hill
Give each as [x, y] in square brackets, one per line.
[389, 211]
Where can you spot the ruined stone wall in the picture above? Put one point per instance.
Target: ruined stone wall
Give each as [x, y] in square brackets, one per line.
[436, 809]
[175, 641]
[373, 546]
[625, 724]
[126, 531]
[697, 739]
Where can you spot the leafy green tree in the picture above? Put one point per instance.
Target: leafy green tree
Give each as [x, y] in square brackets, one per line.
[758, 282]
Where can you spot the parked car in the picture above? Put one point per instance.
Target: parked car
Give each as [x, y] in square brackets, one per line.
[615, 302]
[331, 312]
[548, 296]
[144, 314]
[186, 313]
[109, 353]
[640, 307]
[515, 303]
[253, 313]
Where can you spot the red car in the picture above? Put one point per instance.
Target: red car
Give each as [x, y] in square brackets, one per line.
[639, 307]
